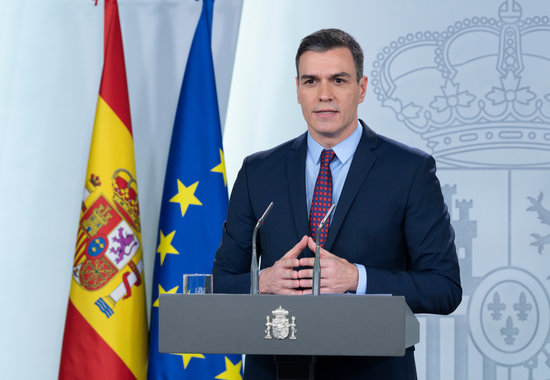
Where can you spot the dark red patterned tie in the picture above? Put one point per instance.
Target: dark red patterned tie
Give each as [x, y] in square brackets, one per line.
[322, 197]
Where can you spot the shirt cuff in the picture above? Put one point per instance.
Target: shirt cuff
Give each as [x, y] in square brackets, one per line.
[362, 281]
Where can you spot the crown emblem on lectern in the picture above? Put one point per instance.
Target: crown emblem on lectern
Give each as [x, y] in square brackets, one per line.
[279, 327]
[478, 92]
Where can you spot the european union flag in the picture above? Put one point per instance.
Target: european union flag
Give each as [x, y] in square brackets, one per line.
[194, 206]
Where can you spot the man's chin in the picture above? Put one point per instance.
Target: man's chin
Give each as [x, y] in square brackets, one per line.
[329, 133]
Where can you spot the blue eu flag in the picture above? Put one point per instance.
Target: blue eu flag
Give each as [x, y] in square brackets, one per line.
[194, 205]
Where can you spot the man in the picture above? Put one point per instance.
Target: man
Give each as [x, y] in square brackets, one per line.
[390, 231]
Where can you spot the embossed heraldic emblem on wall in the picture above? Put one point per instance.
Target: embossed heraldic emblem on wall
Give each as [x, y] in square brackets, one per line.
[477, 96]
[107, 241]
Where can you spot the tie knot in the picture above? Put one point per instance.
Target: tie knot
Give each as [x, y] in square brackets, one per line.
[327, 156]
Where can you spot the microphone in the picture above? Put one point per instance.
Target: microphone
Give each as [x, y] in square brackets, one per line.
[316, 288]
[254, 274]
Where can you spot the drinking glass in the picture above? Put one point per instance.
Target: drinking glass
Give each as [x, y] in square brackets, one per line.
[196, 283]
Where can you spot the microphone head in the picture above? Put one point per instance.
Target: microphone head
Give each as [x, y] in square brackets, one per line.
[262, 218]
[322, 223]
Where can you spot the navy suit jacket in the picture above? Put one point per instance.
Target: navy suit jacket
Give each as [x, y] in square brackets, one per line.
[390, 217]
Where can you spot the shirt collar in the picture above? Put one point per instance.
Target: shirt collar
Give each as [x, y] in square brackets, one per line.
[344, 150]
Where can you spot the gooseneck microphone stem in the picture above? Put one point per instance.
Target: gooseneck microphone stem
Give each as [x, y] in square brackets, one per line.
[254, 274]
[317, 263]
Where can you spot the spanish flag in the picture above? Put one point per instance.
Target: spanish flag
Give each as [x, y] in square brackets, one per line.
[106, 326]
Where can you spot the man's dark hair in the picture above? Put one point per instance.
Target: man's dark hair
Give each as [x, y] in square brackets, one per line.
[327, 39]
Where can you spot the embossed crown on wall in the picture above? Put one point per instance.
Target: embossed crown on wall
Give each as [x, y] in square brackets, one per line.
[478, 92]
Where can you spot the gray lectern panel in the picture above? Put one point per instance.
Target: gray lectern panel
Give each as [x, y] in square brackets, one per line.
[286, 325]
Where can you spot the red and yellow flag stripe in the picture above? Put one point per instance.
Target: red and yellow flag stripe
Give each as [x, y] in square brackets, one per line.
[106, 326]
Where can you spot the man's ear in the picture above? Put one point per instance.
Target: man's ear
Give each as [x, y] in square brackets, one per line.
[363, 87]
[298, 92]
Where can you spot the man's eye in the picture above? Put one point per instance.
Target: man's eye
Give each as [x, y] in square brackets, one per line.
[310, 81]
[339, 80]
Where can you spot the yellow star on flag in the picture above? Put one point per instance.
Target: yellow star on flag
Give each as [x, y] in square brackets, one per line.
[162, 291]
[186, 197]
[165, 246]
[187, 358]
[232, 371]
[220, 168]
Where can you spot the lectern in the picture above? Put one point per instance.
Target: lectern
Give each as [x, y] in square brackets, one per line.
[352, 325]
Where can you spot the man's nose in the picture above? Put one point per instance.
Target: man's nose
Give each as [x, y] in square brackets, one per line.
[325, 92]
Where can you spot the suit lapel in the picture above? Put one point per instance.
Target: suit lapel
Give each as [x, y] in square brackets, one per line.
[296, 179]
[363, 159]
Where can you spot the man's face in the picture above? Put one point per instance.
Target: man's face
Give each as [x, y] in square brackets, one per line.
[329, 94]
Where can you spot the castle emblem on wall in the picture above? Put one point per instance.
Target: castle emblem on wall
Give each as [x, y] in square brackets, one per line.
[478, 95]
